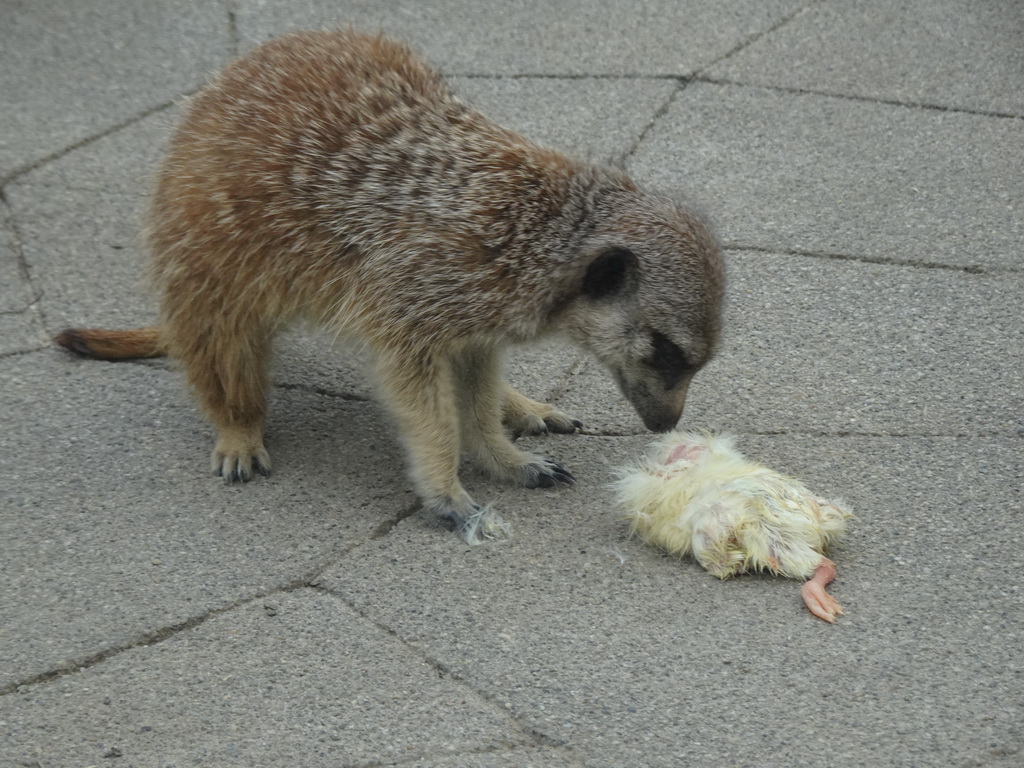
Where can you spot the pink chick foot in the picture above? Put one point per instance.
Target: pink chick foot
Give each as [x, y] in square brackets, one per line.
[818, 601]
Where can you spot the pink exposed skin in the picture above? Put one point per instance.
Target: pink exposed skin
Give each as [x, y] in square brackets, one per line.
[684, 452]
[818, 601]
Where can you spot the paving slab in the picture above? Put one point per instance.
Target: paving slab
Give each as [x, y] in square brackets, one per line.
[20, 332]
[789, 171]
[70, 71]
[300, 675]
[15, 289]
[598, 119]
[20, 327]
[950, 53]
[862, 161]
[539, 757]
[578, 37]
[113, 527]
[819, 345]
[79, 219]
[632, 658]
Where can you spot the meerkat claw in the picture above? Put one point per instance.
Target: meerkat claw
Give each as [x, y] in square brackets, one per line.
[560, 423]
[547, 474]
[562, 475]
[556, 422]
[230, 468]
[241, 468]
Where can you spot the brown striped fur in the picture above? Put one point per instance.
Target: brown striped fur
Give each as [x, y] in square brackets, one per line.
[333, 176]
[112, 345]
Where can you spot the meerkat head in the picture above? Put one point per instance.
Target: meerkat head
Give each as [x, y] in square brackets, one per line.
[648, 300]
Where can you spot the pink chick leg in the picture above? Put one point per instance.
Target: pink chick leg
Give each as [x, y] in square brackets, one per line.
[818, 601]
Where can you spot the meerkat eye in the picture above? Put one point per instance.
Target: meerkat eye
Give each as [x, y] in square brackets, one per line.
[609, 273]
[667, 360]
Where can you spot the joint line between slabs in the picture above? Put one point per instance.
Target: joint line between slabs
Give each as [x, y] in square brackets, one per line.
[34, 165]
[441, 755]
[444, 671]
[158, 636]
[231, 12]
[971, 269]
[659, 113]
[562, 76]
[26, 351]
[10, 224]
[862, 99]
[838, 434]
[385, 527]
[753, 38]
[849, 433]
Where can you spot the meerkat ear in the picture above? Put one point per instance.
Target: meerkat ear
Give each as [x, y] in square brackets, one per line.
[612, 272]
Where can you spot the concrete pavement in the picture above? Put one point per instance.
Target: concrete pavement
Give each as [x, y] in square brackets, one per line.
[863, 162]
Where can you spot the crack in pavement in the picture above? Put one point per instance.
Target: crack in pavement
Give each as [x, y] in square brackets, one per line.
[159, 635]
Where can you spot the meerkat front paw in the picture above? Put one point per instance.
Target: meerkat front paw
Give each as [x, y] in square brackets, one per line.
[535, 424]
[544, 473]
[524, 416]
[238, 454]
[235, 468]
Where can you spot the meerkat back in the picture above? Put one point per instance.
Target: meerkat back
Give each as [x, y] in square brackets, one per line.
[298, 161]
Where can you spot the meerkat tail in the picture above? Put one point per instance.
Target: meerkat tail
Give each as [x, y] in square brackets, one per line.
[112, 345]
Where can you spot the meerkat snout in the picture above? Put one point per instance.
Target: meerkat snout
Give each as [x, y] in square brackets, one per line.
[650, 310]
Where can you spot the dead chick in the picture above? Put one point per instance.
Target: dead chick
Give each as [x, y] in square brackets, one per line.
[695, 493]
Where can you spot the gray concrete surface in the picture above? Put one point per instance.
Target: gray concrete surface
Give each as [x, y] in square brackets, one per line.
[864, 164]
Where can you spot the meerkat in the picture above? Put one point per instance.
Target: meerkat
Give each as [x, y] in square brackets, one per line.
[335, 177]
